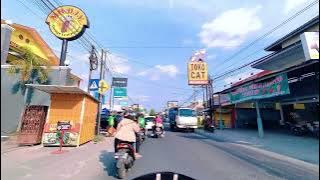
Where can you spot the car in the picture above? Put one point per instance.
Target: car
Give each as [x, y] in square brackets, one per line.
[149, 122]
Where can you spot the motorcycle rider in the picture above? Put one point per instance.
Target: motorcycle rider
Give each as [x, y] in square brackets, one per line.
[126, 132]
[142, 121]
[158, 122]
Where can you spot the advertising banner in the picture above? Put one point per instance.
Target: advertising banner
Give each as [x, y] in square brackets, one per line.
[171, 104]
[67, 22]
[119, 82]
[197, 73]
[277, 86]
[119, 92]
[310, 44]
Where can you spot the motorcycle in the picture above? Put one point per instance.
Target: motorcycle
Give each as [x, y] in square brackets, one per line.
[124, 159]
[209, 126]
[157, 132]
[296, 128]
[313, 128]
[304, 128]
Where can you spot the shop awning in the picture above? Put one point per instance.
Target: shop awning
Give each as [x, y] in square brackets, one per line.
[58, 89]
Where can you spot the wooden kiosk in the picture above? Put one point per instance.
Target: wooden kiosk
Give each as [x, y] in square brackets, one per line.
[72, 105]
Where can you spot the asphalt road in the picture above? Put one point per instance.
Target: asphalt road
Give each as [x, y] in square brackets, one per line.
[194, 155]
[207, 159]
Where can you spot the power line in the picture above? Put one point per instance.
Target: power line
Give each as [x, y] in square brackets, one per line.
[271, 31]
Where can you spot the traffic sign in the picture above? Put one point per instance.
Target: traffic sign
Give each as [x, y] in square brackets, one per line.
[94, 84]
[103, 86]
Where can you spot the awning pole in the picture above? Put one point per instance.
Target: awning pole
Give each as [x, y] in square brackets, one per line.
[259, 121]
[220, 114]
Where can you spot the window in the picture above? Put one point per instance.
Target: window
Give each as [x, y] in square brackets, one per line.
[187, 113]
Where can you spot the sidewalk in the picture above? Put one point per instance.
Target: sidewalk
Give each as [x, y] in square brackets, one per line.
[37, 162]
[302, 148]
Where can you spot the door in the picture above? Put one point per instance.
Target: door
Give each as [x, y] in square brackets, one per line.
[32, 124]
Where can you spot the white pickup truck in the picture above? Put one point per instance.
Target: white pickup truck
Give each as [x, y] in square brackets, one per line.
[185, 118]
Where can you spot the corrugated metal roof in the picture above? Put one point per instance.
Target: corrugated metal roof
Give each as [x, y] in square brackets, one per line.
[52, 89]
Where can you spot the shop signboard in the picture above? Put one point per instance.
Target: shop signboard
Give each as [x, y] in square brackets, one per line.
[277, 86]
[120, 92]
[197, 73]
[67, 22]
[119, 82]
[310, 44]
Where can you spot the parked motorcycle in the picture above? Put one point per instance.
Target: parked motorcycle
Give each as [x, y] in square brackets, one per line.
[209, 126]
[125, 159]
[313, 128]
[303, 128]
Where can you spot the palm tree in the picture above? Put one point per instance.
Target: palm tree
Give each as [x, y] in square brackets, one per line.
[32, 69]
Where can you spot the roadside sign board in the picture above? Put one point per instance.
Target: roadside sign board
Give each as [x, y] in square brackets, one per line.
[123, 103]
[94, 84]
[310, 44]
[63, 125]
[119, 92]
[119, 82]
[197, 73]
[103, 86]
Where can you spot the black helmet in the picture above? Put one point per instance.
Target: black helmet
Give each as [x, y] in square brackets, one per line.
[130, 115]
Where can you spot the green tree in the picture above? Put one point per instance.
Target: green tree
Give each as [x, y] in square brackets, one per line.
[152, 112]
[31, 69]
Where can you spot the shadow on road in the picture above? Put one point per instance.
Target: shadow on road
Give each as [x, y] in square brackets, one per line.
[201, 136]
[191, 136]
[108, 161]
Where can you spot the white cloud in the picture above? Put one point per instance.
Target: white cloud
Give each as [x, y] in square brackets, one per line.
[141, 98]
[187, 42]
[230, 28]
[293, 4]
[211, 56]
[119, 64]
[158, 71]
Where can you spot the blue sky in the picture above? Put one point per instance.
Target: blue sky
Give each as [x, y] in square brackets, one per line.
[127, 28]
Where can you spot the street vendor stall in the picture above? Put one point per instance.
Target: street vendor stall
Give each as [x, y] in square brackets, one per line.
[72, 106]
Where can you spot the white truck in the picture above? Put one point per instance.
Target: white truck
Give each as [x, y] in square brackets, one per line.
[183, 118]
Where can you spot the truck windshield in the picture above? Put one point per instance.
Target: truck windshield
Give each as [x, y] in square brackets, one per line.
[187, 113]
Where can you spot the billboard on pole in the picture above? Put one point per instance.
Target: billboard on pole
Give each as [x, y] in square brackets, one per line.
[119, 82]
[119, 92]
[198, 73]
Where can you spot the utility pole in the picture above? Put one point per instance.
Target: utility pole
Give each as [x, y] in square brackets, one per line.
[102, 64]
[93, 64]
